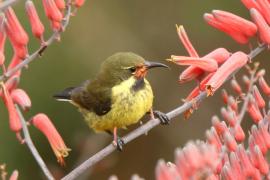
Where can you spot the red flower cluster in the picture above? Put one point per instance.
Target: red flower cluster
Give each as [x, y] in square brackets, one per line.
[222, 155]
[11, 27]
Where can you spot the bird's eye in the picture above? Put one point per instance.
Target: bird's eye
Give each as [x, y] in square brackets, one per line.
[132, 69]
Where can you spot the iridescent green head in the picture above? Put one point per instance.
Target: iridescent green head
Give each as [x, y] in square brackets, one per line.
[124, 65]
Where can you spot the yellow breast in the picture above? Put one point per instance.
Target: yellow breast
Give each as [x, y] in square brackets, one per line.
[128, 107]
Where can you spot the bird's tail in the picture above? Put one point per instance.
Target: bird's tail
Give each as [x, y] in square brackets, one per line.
[64, 95]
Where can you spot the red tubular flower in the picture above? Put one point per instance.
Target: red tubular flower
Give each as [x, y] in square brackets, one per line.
[254, 112]
[20, 97]
[262, 162]
[246, 27]
[14, 175]
[166, 172]
[236, 61]
[263, 129]
[233, 104]
[247, 167]
[236, 87]
[219, 55]
[220, 127]
[230, 142]
[231, 31]
[56, 26]
[36, 24]
[258, 139]
[251, 4]
[2, 32]
[213, 139]
[227, 172]
[236, 167]
[44, 124]
[206, 64]
[246, 81]
[264, 86]
[225, 96]
[186, 42]
[78, 3]
[263, 28]
[258, 97]
[264, 9]
[14, 119]
[239, 133]
[60, 4]
[14, 29]
[52, 11]
[229, 116]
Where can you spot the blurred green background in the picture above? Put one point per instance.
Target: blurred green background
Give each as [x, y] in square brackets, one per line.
[99, 29]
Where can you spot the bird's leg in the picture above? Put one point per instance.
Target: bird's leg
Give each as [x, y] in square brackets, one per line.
[117, 141]
[164, 119]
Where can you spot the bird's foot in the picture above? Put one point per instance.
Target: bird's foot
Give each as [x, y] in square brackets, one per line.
[164, 119]
[119, 143]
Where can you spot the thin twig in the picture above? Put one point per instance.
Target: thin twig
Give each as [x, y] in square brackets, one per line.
[32, 148]
[143, 129]
[247, 97]
[41, 49]
[6, 4]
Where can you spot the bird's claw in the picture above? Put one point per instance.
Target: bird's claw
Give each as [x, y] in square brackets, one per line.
[164, 119]
[119, 143]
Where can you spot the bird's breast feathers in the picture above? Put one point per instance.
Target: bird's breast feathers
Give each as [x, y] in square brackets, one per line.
[129, 105]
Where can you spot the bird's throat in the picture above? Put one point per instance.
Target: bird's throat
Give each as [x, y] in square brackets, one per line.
[138, 84]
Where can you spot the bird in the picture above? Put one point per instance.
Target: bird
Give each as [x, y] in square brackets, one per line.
[118, 96]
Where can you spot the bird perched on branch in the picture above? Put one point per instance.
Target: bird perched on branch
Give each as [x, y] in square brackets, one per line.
[117, 97]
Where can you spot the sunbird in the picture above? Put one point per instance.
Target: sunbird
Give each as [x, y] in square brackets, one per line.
[117, 97]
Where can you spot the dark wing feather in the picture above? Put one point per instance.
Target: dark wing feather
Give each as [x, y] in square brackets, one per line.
[93, 98]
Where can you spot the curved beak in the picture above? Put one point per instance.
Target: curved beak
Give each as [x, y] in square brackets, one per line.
[150, 64]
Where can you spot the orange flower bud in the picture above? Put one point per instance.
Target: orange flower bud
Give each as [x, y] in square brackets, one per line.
[239, 133]
[258, 97]
[186, 42]
[264, 86]
[231, 31]
[263, 28]
[51, 10]
[246, 81]
[233, 104]
[44, 124]
[230, 142]
[206, 64]
[236, 61]
[78, 3]
[20, 97]
[36, 24]
[14, 119]
[56, 26]
[229, 116]
[254, 112]
[236, 87]
[258, 139]
[225, 96]
[227, 172]
[236, 167]
[246, 27]
[14, 29]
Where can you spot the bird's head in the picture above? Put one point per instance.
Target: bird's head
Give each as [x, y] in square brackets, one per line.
[124, 65]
